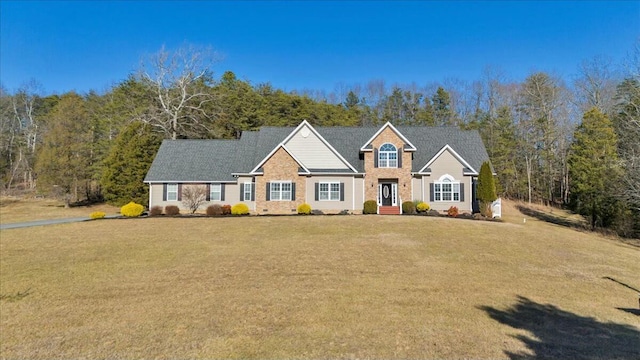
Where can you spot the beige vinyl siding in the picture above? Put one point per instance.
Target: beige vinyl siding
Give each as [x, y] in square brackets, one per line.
[335, 206]
[231, 196]
[418, 192]
[445, 164]
[312, 152]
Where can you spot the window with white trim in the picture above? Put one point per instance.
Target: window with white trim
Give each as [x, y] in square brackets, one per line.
[172, 192]
[280, 191]
[329, 191]
[446, 189]
[216, 192]
[388, 156]
[247, 191]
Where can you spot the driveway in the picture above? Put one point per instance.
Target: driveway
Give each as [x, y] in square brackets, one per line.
[41, 223]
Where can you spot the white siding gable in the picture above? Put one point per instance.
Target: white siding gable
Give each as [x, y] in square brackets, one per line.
[312, 152]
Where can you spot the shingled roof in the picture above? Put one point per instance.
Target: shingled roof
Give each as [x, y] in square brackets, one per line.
[217, 160]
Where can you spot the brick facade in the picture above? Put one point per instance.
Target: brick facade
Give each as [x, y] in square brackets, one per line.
[374, 175]
[279, 167]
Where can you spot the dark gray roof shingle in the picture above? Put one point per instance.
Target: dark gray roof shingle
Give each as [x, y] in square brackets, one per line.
[217, 160]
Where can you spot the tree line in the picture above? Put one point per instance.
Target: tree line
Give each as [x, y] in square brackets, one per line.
[571, 144]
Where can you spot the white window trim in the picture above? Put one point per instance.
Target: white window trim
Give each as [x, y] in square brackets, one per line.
[219, 192]
[329, 191]
[171, 191]
[247, 186]
[280, 198]
[387, 161]
[448, 180]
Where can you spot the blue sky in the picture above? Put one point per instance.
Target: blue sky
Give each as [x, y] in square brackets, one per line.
[311, 45]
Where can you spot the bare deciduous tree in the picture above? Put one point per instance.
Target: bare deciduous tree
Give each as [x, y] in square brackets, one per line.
[178, 80]
[193, 196]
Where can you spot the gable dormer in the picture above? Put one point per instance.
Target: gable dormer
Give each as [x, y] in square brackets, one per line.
[388, 148]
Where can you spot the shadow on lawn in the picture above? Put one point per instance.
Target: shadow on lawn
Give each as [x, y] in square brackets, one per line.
[550, 218]
[559, 334]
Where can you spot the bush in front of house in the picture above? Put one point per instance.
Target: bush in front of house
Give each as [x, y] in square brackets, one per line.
[370, 207]
[226, 209]
[408, 207]
[453, 211]
[155, 211]
[304, 209]
[172, 210]
[132, 210]
[240, 209]
[97, 215]
[214, 210]
[422, 207]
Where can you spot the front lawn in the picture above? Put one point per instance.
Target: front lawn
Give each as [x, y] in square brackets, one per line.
[315, 287]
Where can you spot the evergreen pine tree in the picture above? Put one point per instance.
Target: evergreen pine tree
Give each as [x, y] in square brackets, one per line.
[127, 164]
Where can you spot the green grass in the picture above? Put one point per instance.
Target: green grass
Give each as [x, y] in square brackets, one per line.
[309, 287]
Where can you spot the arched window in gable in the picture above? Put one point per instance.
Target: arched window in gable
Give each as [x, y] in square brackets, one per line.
[388, 156]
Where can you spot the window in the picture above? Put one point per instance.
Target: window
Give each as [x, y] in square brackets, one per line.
[172, 192]
[280, 191]
[216, 192]
[247, 192]
[446, 189]
[329, 191]
[388, 156]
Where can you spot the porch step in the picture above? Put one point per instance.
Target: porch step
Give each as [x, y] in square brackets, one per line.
[389, 210]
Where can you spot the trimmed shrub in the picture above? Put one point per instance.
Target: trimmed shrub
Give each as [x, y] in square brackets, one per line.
[422, 207]
[155, 211]
[214, 210]
[304, 209]
[171, 210]
[370, 207]
[132, 210]
[408, 207]
[240, 209]
[453, 211]
[226, 209]
[97, 215]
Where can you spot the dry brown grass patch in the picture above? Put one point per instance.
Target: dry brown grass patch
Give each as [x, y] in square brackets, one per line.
[307, 287]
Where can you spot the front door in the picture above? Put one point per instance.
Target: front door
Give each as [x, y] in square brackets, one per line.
[387, 194]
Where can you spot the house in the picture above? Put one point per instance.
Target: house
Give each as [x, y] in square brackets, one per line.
[275, 169]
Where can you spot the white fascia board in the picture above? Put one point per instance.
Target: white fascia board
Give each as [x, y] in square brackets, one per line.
[281, 145]
[455, 154]
[388, 124]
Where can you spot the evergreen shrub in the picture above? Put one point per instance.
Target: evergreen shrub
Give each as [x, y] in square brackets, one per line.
[422, 207]
[370, 207]
[97, 215]
[240, 209]
[304, 209]
[132, 210]
[171, 210]
[214, 210]
[408, 207]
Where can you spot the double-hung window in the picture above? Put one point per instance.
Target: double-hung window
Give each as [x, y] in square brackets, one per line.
[216, 192]
[329, 191]
[446, 189]
[280, 191]
[388, 156]
[172, 192]
[246, 191]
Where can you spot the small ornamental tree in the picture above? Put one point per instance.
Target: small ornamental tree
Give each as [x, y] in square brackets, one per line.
[486, 189]
[193, 196]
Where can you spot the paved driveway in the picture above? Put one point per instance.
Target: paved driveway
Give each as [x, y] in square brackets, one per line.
[42, 222]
